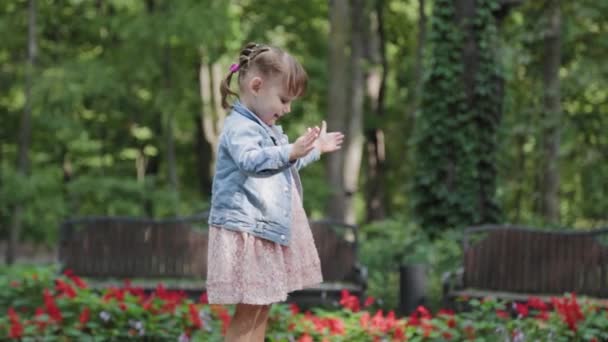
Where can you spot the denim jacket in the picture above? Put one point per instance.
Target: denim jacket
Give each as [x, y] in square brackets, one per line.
[252, 186]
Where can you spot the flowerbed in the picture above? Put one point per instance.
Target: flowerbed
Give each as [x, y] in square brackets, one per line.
[41, 307]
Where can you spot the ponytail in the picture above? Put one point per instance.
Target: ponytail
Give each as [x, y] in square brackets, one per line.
[247, 55]
[225, 90]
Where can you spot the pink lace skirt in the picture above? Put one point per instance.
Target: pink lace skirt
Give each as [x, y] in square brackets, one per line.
[245, 269]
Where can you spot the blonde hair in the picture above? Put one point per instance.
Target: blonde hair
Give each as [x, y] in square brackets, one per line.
[268, 61]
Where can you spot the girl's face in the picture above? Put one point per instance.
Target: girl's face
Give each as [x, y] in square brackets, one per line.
[270, 101]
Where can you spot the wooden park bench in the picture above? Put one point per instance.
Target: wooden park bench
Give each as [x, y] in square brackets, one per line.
[107, 250]
[513, 263]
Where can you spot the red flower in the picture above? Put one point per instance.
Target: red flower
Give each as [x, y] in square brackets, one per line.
[543, 315]
[569, 310]
[369, 301]
[349, 301]
[171, 298]
[424, 312]
[85, 316]
[137, 292]
[522, 309]
[203, 299]
[51, 307]
[502, 314]
[114, 292]
[446, 312]
[16, 329]
[537, 303]
[294, 309]
[15, 284]
[418, 316]
[450, 314]
[224, 316]
[79, 282]
[447, 335]
[318, 323]
[64, 289]
[399, 334]
[470, 332]
[390, 320]
[76, 280]
[194, 317]
[413, 320]
[451, 322]
[378, 321]
[427, 328]
[122, 306]
[37, 319]
[364, 320]
[147, 305]
[336, 326]
[305, 338]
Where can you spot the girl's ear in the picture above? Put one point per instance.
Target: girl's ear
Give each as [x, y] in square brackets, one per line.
[255, 84]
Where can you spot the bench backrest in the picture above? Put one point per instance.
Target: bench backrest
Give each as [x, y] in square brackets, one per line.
[338, 247]
[512, 259]
[126, 247]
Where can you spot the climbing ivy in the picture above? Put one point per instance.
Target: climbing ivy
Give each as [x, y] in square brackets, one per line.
[455, 137]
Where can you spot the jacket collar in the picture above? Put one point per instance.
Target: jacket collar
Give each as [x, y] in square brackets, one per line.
[244, 111]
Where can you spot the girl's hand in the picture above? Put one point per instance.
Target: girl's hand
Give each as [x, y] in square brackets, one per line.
[304, 144]
[328, 142]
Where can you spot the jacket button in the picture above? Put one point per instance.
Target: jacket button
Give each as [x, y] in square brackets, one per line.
[286, 189]
[282, 237]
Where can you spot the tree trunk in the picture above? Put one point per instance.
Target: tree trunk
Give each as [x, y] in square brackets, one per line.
[25, 131]
[204, 156]
[552, 114]
[465, 12]
[487, 123]
[68, 175]
[520, 175]
[3, 223]
[337, 104]
[152, 165]
[212, 114]
[354, 131]
[171, 164]
[418, 68]
[376, 85]
[152, 168]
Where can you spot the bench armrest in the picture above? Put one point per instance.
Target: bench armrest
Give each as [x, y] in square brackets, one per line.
[358, 276]
[452, 280]
[361, 272]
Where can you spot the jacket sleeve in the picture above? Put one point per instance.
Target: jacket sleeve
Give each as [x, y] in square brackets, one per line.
[245, 146]
[312, 156]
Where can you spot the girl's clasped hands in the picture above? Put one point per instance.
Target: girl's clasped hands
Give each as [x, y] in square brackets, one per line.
[316, 137]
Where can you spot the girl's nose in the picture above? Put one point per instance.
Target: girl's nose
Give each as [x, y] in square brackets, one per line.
[287, 108]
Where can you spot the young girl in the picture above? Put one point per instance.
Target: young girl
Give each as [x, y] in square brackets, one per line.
[260, 244]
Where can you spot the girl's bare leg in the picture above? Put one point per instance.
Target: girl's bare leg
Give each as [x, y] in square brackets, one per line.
[260, 329]
[248, 323]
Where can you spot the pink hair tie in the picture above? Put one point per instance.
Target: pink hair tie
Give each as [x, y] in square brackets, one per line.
[234, 67]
